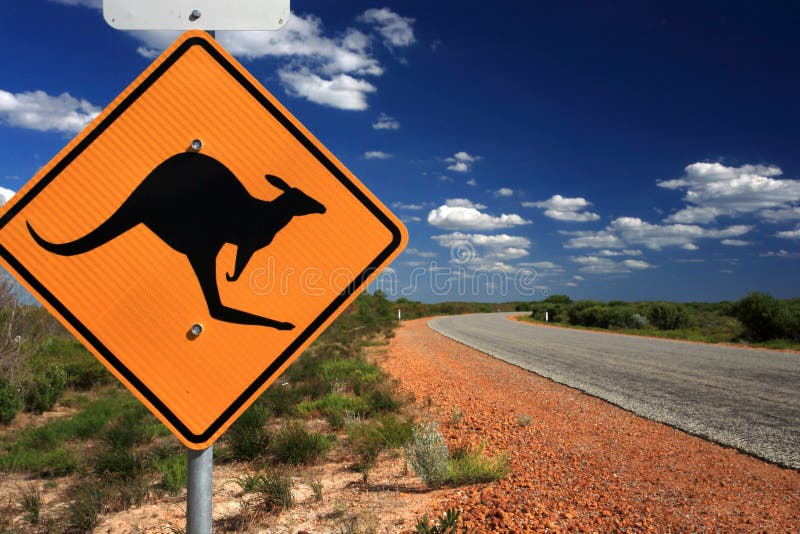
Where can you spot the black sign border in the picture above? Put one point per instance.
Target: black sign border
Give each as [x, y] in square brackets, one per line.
[310, 331]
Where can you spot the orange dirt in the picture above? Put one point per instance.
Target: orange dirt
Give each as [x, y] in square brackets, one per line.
[581, 464]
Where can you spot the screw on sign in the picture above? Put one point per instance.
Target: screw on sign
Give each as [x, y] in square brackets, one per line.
[222, 180]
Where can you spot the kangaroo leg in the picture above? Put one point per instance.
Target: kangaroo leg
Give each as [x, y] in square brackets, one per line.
[243, 255]
[204, 266]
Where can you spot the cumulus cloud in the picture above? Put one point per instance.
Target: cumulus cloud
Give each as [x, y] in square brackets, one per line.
[463, 203]
[470, 218]
[327, 70]
[504, 192]
[341, 91]
[482, 251]
[626, 231]
[735, 242]
[565, 209]
[420, 253]
[780, 254]
[396, 31]
[404, 206]
[5, 195]
[385, 122]
[461, 161]
[713, 189]
[36, 110]
[472, 182]
[790, 234]
[602, 265]
[780, 215]
[376, 154]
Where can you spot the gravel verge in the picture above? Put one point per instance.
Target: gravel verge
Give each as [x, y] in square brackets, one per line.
[579, 463]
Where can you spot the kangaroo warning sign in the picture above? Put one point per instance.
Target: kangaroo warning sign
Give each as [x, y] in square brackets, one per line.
[196, 238]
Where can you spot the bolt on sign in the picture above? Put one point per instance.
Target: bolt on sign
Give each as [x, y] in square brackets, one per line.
[196, 238]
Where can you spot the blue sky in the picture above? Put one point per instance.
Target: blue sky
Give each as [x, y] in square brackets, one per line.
[603, 150]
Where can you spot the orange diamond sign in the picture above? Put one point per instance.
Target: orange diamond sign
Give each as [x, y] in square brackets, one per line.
[196, 238]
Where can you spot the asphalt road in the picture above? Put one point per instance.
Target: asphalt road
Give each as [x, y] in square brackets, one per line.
[748, 399]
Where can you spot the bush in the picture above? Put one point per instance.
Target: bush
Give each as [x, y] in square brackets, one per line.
[274, 489]
[10, 401]
[248, 437]
[638, 321]
[295, 445]
[45, 388]
[428, 454]
[173, 471]
[446, 524]
[765, 317]
[470, 466]
[668, 316]
[333, 404]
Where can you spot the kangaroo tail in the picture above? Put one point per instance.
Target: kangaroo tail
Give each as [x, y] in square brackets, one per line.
[104, 233]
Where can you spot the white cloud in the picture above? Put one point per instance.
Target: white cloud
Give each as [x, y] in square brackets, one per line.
[463, 203]
[565, 209]
[482, 251]
[458, 218]
[403, 206]
[600, 265]
[461, 161]
[5, 195]
[481, 240]
[714, 189]
[694, 214]
[571, 284]
[626, 231]
[780, 254]
[396, 31]
[96, 4]
[472, 182]
[785, 214]
[376, 154]
[735, 243]
[420, 253]
[504, 192]
[385, 122]
[578, 277]
[327, 70]
[36, 110]
[790, 234]
[342, 91]
[626, 252]
[411, 219]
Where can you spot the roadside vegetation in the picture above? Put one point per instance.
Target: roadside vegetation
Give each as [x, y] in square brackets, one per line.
[68, 427]
[757, 319]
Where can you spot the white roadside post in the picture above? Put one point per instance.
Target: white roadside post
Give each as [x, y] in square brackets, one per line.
[209, 15]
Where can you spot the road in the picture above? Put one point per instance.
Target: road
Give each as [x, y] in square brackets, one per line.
[743, 398]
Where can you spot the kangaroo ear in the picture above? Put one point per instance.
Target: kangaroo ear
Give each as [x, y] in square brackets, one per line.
[277, 182]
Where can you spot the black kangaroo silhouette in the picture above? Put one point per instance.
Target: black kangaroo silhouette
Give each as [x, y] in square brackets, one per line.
[196, 205]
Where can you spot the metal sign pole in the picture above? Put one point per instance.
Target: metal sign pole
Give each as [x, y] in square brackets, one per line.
[199, 489]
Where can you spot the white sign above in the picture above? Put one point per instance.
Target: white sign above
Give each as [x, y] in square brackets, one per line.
[196, 14]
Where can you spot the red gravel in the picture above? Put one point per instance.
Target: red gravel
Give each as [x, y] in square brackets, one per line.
[582, 464]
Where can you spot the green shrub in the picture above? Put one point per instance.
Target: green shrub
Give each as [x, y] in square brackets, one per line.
[382, 400]
[44, 388]
[428, 454]
[82, 368]
[173, 471]
[85, 507]
[355, 372]
[295, 445]
[446, 524]
[333, 403]
[119, 463]
[31, 502]
[766, 318]
[10, 401]
[668, 316]
[274, 489]
[558, 299]
[470, 466]
[248, 437]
